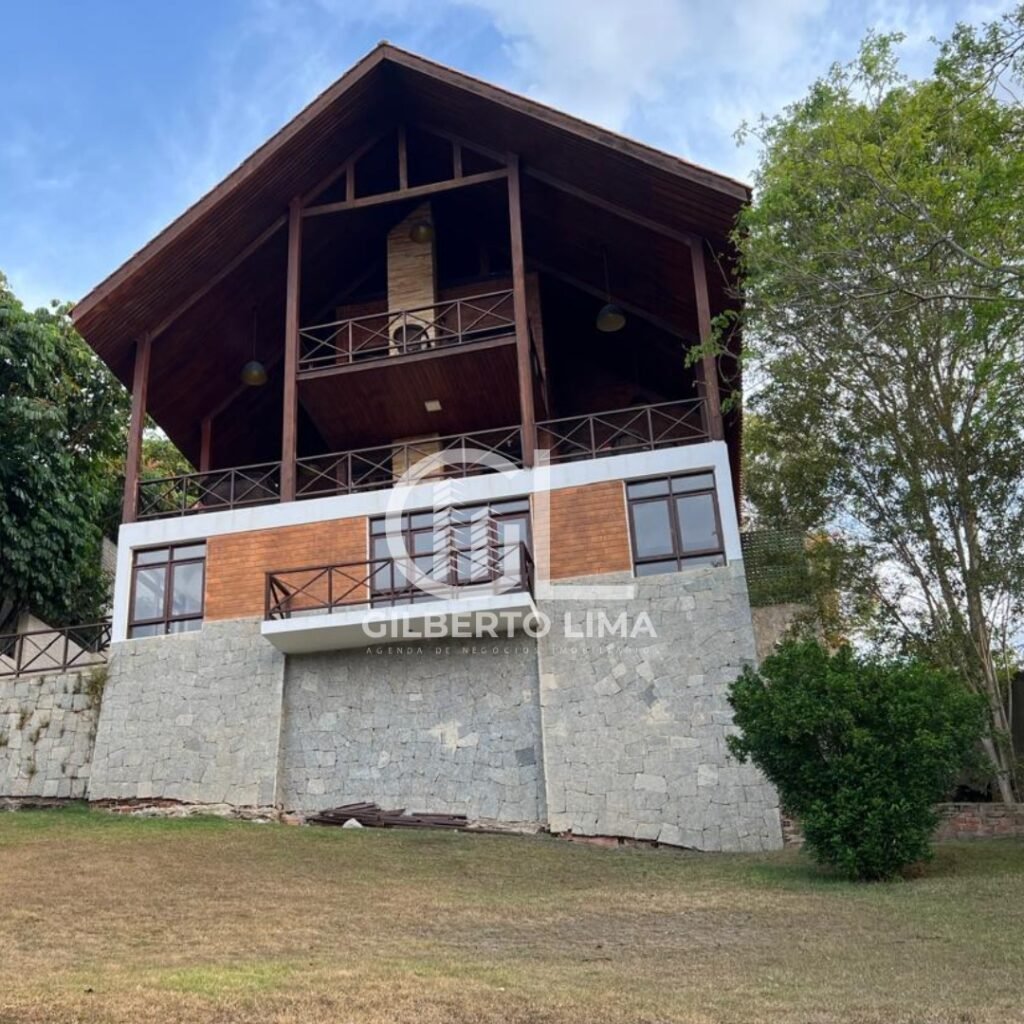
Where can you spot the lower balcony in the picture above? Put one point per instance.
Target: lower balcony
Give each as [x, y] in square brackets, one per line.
[569, 439]
[482, 590]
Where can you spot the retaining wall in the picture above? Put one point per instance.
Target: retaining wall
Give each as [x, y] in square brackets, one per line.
[47, 727]
[193, 717]
[635, 728]
[450, 728]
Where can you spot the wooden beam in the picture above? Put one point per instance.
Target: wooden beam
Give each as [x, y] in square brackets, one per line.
[405, 193]
[686, 237]
[205, 439]
[443, 133]
[709, 365]
[403, 159]
[569, 124]
[523, 362]
[599, 293]
[290, 414]
[346, 168]
[457, 159]
[228, 267]
[537, 332]
[137, 424]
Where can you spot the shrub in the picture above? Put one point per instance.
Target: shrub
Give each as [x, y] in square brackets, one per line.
[860, 749]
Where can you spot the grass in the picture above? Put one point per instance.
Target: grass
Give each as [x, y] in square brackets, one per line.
[111, 919]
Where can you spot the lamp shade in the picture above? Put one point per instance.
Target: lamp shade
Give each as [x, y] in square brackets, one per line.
[254, 373]
[610, 318]
[421, 231]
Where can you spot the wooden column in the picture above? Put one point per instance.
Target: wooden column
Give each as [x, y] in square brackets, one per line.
[133, 462]
[290, 415]
[205, 441]
[523, 360]
[708, 366]
[537, 327]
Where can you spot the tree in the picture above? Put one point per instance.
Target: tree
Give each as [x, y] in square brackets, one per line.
[860, 749]
[883, 265]
[63, 420]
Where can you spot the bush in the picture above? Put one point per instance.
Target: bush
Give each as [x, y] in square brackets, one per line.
[860, 749]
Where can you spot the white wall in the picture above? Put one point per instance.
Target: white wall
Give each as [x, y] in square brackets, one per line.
[711, 455]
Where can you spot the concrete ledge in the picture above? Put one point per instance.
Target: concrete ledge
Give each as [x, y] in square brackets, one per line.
[363, 626]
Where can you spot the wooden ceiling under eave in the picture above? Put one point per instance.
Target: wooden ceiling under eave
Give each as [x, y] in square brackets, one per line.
[196, 360]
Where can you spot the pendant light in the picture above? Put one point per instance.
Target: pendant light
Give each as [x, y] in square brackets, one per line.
[421, 231]
[254, 373]
[610, 317]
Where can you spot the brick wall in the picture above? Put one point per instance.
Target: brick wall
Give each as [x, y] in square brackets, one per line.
[588, 534]
[980, 821]
[587, 529]
[237, 563]
[956, 821]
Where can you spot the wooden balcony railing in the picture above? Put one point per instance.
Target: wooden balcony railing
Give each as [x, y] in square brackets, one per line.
[454, 456]
[445, 574]
[212, 491]
[54, 650]
[407, 331]
[639, 428]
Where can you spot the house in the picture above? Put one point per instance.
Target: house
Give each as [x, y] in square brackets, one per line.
[463, 530]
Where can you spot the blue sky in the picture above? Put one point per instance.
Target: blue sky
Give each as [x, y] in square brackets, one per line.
[115, 115]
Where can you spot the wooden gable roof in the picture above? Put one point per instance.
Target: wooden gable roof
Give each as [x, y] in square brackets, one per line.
[579, 181]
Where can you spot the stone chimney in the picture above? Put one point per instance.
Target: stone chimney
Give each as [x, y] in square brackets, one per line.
[412, 274]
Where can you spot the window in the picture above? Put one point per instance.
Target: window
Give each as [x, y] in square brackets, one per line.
[167, 590]
[452, 546]
[674, 523]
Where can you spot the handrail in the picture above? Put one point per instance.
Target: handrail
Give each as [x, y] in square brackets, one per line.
[569, 438]
[391, 582]
[405, 331]
[54, 650]
[210, 491]
[383, 466]
[635, 428]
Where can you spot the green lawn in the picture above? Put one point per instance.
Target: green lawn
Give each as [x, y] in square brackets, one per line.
[113, 919]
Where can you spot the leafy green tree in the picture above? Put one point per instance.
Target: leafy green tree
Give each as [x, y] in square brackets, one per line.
[860, 749]
[63, 420]
[883, 265]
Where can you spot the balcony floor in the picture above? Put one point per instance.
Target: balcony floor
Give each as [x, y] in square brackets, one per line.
[464, 618]
[475, 383]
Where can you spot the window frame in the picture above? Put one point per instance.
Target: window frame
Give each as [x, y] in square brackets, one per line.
[170, 565]
[683, 558]
[406, 592]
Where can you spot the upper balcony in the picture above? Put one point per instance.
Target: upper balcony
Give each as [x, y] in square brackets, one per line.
[358, 342]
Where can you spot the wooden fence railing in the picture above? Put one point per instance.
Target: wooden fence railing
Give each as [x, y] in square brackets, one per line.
[389, 582]
[455, 456]
[54, 650]
[591, 436]
[407, 331]
[638, 428]
[212, 491]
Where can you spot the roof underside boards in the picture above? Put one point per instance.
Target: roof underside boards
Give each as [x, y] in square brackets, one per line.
[196, 359]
